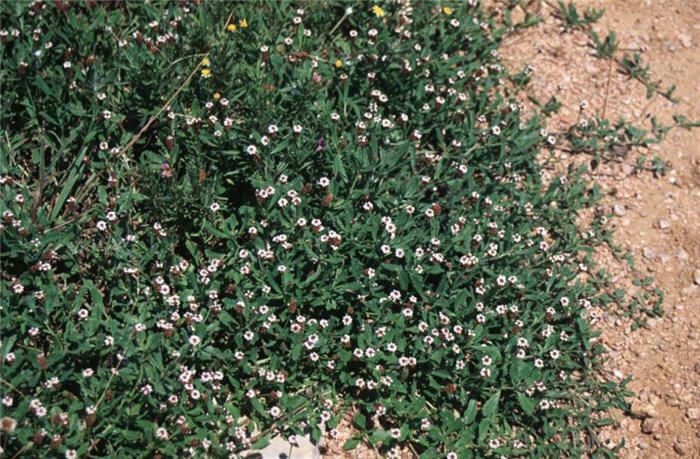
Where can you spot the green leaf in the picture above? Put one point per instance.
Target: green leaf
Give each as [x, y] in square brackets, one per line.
[379, 436]
[470, 413]
[484, 428]
[361, 421]
[351, 444]
[262, 442]
[527, 404]
[491, 405]
[258, 406]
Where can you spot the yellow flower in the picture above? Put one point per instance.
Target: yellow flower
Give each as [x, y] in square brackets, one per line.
[206, 73]
[217, 96]
[338, 63]
[378, 11]
[447, 10]
[206, 62]
[243, 23]
[231, 27]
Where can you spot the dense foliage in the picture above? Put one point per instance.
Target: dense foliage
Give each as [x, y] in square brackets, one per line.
[224, 220]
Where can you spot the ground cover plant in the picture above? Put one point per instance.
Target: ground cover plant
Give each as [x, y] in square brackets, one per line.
[221, 221]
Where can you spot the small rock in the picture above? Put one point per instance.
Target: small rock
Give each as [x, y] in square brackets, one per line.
[626, 169]
[280, 447]
[693, 414]
[679, 449]
[696, 276]
[625, 221]
[682, 254]
[649, 255]
[697, 367]
[664, 224]
[685, 40]
[643, 445]
[651, 425]
[644, 410]
[619, 209]
[689, 290]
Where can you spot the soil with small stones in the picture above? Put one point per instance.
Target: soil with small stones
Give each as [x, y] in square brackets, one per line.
[656, 219]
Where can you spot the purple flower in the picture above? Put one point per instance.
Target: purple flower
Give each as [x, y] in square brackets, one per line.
[167, 171]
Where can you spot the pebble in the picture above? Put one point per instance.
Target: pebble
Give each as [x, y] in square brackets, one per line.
[643, 445]
[664, 224]
[693, 414]
[685, 40]
[627, 169]
[280, 447]
[651, 425]
[679, 449]
[682, 254]
[619, 209]
[696, 276]
[649, 255]
[644, 410]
